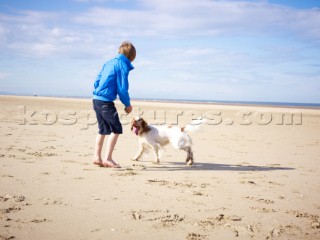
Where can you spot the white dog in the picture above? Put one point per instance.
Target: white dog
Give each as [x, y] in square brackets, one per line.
[155, 137]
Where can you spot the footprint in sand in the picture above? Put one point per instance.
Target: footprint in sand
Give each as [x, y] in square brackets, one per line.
[79, 178]
[8, 176]
[47, 201]
[263, 209]
[160, 182]
[127, 172]
[167, 221]
[39, 220]
[266, 201]
[11, 209]
[159, 218]
[195, 236]
[261, 200]
[220, 220]
[41, 154]
[178, 184]
[248, 182]
[15, 198]
[6, 237]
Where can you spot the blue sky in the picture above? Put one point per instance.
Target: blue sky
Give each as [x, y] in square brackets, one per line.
[250, 50]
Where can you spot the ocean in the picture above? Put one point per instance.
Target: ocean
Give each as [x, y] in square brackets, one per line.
[203, 101]
[249, 103]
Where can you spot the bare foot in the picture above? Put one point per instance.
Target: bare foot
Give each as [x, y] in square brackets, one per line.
[97, 161]
[109, 164]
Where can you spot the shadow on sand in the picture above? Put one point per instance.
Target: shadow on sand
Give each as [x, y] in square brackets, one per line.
[179, 166]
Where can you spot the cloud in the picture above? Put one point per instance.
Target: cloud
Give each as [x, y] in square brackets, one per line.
[38, 34]
[4, 75]
[214, 48]
[206, 17]
[48, 33]
[27, 32]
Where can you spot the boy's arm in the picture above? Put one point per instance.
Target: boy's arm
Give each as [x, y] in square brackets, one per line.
[96, 82]
[123, 88]
[128, 109]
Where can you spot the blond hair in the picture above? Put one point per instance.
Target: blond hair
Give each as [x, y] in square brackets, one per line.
[127, 49]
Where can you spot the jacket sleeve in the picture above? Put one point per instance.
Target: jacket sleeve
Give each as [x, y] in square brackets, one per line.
[123, 87]
[98, 79]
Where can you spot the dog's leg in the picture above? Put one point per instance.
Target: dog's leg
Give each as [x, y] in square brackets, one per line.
[156, 154]
[139, 154]
[189, 159]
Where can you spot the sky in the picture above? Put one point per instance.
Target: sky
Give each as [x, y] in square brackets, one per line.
[218, 50]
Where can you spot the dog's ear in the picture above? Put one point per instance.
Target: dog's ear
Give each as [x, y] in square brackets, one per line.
[143, 123]
[144, 126]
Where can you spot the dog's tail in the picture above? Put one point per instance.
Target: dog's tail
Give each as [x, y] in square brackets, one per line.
[194, 125]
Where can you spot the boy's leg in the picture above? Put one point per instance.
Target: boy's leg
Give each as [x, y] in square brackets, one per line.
[111, 143]
[97, 159]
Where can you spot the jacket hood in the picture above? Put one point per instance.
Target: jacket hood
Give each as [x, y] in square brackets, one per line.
[126, 60]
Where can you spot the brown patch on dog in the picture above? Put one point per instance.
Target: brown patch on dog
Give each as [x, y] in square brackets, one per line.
[141, 124]
[182, 129]
[144, 126]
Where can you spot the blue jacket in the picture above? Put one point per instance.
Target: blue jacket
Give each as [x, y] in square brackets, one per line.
[113, 80]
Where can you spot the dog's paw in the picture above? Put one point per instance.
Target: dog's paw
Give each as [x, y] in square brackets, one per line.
[190, 163]
[157, 162]
[135, 159]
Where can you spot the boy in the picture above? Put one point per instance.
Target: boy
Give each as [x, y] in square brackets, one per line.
[112, 81]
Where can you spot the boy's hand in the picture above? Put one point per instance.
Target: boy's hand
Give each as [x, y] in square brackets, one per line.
[128, 109]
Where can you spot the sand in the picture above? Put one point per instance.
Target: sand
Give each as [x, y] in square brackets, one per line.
[256, 174]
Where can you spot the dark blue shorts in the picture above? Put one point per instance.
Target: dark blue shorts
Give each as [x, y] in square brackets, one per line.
[107, 117]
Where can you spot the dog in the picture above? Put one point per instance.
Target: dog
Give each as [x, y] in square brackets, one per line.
[155, 137]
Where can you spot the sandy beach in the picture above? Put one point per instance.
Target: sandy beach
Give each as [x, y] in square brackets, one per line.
[256, 174]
